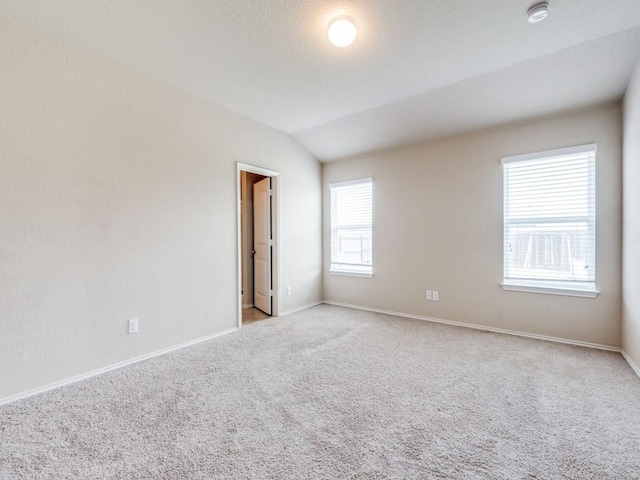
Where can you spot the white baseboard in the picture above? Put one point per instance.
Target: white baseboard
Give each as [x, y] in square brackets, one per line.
[109, 368]
[481, 327]
[299, 309]
[248, 305]
[631, 363]
[118, 365]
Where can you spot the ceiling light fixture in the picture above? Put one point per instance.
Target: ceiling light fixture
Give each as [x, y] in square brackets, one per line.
[538, 12]
[342, 31]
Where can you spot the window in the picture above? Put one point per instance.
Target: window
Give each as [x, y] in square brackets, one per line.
[351, 227]
[550, 222]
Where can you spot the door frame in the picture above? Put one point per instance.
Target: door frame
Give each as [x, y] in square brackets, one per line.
[275, 234]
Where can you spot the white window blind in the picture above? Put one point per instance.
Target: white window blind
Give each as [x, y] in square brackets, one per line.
[550, 219]
[351, 227]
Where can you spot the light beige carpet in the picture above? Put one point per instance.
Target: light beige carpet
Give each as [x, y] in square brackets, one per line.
[335, 393]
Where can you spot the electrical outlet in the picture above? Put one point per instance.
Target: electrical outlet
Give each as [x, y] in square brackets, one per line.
[288, 291]
[428, 295]
[435, 296]
[133, 325]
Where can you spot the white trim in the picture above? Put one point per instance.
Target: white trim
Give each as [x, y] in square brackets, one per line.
[481, 327]
[275, 233]
[351, 182]
[631, 363]
[275, 219]
[559, 152]
[351, 274]
[248, 305]
[245, 167]
[299, 309]
[115, 366]
[569, 292]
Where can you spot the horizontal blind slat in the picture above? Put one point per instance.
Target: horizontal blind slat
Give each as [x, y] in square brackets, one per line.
[351, 226]
[549, 218]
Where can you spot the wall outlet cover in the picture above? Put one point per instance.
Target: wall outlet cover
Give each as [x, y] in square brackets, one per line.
[133, 325]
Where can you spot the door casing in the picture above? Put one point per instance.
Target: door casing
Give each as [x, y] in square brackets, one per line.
[275, 232]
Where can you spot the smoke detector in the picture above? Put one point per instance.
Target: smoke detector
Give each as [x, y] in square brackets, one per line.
[538, 12]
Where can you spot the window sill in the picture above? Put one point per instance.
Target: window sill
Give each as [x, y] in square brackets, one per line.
[352, 274]
[549, 290]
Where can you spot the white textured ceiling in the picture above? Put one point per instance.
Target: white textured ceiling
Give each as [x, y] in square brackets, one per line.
[419, 69]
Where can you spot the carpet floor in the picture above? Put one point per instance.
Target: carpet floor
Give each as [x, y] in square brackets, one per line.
[335, 393]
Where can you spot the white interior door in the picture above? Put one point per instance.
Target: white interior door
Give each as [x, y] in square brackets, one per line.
[262, 245]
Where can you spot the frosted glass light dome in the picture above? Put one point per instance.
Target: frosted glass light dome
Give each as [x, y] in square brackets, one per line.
[342, 31]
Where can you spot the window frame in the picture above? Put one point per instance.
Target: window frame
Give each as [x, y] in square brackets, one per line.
[358, 271]
[552, 286]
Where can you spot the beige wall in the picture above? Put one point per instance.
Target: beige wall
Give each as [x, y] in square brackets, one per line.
[438, 226]
[631, 238]
[118, 201]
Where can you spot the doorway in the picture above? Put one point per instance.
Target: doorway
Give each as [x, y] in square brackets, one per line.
[258, 253]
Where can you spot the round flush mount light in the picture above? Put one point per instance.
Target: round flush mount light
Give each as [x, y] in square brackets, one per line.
[538, 12]
[342, 31]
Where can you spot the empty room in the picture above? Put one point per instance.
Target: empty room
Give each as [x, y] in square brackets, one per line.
[319, 239]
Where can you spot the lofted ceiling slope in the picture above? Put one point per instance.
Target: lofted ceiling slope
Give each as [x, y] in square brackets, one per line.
[419, 69]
